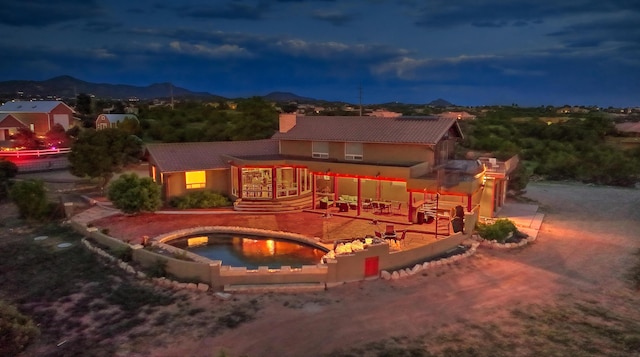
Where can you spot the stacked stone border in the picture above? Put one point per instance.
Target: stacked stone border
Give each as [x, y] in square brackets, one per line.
[494, 244]
[428, 265]
[141, 275]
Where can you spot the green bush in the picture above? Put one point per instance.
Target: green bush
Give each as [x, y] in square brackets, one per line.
[132, 194]
[31, 198]
[200, 199]
[16, 330]
[125, 253]
[498, 231]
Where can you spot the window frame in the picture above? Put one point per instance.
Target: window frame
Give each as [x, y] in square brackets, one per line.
[195, 184]
[320, 149]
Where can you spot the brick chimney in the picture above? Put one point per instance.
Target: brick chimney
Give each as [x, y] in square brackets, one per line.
[287, 121]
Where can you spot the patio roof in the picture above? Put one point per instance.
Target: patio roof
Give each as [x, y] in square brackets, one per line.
[179, 157]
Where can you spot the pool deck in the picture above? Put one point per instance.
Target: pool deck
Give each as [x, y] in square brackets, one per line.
[308, 223]
[313, 223]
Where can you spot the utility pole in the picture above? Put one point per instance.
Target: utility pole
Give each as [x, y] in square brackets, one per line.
[171, 92]
[360, 98]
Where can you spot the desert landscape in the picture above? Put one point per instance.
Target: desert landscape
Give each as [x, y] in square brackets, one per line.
[568, 293]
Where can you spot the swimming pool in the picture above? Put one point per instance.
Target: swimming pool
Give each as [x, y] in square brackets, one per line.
[250, 251]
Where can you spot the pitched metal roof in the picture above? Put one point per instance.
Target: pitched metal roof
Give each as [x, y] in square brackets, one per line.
[25, 106]
[9, 121]
[118, 117]
[366, 129]
[178, 157]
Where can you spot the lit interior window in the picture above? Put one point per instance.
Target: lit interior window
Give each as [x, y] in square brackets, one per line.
[195, 179]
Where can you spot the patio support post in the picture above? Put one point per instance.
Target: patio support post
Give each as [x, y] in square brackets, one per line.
[359, 199]
[313, 191]
[468, 203]
[274, 184]
[240, 186]
[410, 214]
[335, 187]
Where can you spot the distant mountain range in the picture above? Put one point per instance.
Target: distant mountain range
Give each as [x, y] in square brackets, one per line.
[69, 87]
[65, 87]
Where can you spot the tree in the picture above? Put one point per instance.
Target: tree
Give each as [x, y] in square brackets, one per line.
[18, 330]
[56, 137]
[83, 104]
[31, 198]
[132, 194]
[8, 170]
[26, 138]
[101, 153]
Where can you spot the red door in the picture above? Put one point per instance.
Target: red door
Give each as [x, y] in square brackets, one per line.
[370, 266]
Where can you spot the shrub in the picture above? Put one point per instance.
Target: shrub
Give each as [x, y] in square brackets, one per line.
[200, 199]
[16, 330]
[158, 269]
[498, 231]
[125, 253]
[31, 198]
[132, 194]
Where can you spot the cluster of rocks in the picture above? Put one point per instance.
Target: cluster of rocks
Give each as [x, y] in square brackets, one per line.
[495, 244]
[131, 270]
[402, 273]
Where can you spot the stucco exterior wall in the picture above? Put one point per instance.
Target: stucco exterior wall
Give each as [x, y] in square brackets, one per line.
[372, 152]
[216, 180]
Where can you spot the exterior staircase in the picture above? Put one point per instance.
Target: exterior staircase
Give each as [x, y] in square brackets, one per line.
[290, 205]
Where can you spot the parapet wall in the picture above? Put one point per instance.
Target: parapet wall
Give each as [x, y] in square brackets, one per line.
[344, 268]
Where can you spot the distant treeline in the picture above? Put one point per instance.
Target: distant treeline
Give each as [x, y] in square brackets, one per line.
[570, 147]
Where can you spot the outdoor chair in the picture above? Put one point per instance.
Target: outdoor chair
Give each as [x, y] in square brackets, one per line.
[400, 240]
[366, 204]
[374, 206]
[390, 232]
[396, 208]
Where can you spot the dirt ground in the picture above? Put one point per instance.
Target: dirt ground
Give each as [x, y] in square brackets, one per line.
[584, 248]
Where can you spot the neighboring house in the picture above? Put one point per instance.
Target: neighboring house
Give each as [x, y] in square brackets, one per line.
[105, 121]
[9, 125]
[38, 116]
[457, 115]
[629, 128]
[314, 159]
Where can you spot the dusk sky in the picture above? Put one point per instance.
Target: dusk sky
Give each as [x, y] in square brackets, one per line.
[469, 52]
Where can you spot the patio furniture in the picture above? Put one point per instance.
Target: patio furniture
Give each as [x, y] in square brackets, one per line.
[374, 206]
[382, 206]
[396, 207]
[325, 203]
[366, 204]
[343, 206]
[390, 232]
[400, 240]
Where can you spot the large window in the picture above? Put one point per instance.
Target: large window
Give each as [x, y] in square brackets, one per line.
[353, 151]
[195, 179]
[320, 150]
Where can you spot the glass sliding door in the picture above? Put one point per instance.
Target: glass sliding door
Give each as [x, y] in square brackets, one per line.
[257, 183]
[286, 182]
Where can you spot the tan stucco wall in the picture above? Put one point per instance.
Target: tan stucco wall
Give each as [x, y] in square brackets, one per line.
[372, 152]
[486, 199]
[217, 180]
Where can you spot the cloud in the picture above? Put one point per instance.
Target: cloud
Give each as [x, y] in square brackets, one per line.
[232, 10]
[42, 13]
[101, 26]
[224, 51]
[499, 13]
[336, 18]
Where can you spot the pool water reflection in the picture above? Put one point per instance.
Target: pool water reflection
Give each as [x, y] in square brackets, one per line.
[250, 251]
